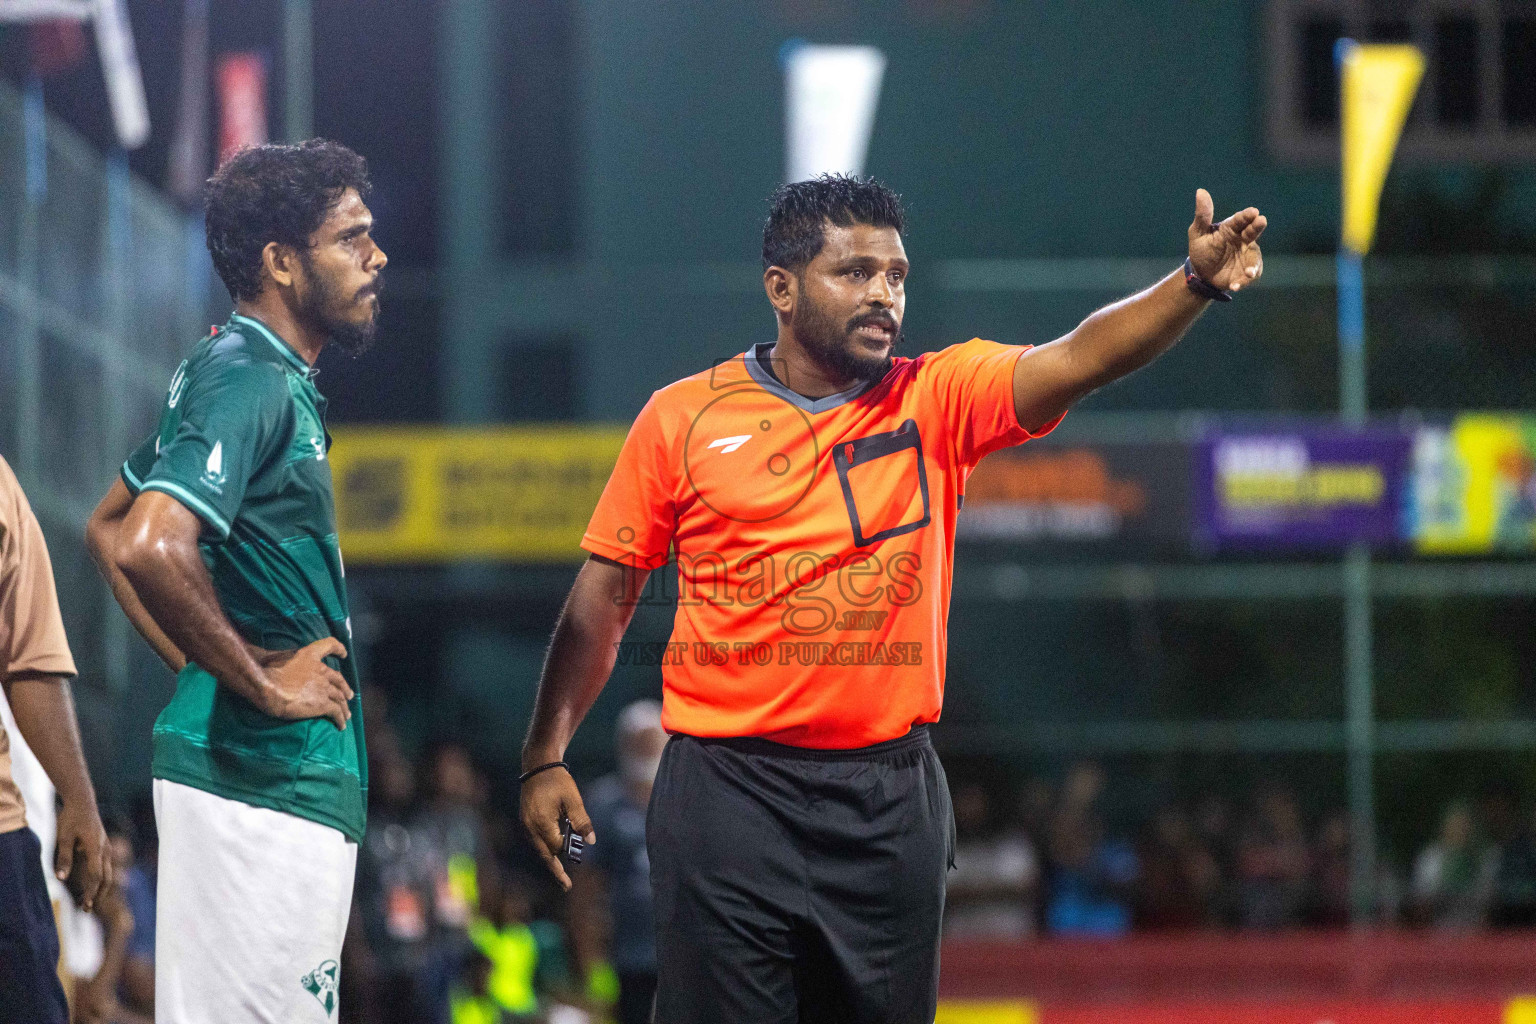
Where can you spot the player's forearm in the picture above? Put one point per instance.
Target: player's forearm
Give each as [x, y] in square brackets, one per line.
[45, 717]
[172, 583]
[102, 535]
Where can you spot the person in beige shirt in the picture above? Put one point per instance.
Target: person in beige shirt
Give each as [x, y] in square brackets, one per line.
[35, 668]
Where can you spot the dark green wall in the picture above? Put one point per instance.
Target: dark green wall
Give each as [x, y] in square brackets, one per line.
[1014, 130]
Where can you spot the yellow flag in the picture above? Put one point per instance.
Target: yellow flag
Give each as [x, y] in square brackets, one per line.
[1379, 81]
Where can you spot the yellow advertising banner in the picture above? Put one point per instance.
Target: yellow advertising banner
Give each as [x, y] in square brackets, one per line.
[438, 494]
[1378, 83]
[1474, 489]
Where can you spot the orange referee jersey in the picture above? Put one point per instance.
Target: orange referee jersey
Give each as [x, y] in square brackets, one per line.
[814, 540]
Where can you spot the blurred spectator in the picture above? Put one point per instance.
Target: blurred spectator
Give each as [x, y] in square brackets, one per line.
[1454, 877]
[1330, 902]
[470, 999]
[135, 874]
[395, 878]
[104, 933]
[530, 969]
[505, 939]
[1036, 801]
[620, 883]
[1514, 890]
[1180, 883]
[993, 886]
[452, 823]
[1273, 863]
[449, 833]
[1091, 877]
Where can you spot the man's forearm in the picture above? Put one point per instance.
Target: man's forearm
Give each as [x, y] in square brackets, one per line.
[576, 668]
[177, 593]
[581, 656]
[134, 609]
[45, 717]
[1127, 335]
[1114, 341]
[102, 535]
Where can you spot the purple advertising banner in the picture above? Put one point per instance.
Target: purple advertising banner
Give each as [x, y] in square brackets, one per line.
[1300, 486]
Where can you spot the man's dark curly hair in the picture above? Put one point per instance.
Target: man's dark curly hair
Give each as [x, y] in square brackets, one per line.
[799, 211]
[274, 193]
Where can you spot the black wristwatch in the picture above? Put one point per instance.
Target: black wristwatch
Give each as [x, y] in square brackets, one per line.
[1201, 287]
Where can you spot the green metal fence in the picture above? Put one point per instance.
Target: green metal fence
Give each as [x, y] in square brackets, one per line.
[101, 288]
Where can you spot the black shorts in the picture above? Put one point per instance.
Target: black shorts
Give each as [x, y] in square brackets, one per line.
[798, 885]
[30, 992]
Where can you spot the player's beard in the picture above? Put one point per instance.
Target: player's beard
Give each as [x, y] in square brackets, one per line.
[831, 343]
[323, 307]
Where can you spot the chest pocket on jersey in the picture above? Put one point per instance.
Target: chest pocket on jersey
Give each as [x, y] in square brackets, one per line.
[885, 486]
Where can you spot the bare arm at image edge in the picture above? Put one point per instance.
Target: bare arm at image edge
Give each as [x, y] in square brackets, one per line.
[35, 664]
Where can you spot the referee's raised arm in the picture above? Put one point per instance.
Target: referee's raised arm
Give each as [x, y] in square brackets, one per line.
[1124, 336]
[580, 658]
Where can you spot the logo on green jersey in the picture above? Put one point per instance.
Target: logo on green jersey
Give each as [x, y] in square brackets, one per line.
[178, 384]
[321, 983]
[213, 473]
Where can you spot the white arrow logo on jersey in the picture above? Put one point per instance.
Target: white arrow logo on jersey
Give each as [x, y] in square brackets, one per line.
[178, 383]
[730, 444]
[213, 473]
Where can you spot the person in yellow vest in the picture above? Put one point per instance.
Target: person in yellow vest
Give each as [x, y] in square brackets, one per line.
[513, 953]
[531, 972]
[471, 1001]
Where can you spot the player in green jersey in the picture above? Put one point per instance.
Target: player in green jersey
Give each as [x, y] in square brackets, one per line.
[219, 542]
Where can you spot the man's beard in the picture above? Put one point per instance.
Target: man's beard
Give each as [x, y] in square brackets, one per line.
[320, 307]
[830, 343]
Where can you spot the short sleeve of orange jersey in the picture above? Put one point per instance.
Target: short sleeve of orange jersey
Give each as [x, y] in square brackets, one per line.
[637, 514]
[973, 384]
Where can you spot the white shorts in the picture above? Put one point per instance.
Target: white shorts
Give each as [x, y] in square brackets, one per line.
[251, 909]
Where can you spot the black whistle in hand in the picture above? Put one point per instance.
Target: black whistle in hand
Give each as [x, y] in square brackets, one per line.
[573, 842]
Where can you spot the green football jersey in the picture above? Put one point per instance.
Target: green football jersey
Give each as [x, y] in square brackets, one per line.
[242, 443]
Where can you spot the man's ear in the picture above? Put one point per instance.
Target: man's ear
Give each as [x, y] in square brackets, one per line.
[783, 290]
[280, 263]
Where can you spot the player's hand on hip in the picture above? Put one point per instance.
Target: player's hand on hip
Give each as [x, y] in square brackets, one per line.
[548, 798]
[81, 856]
[1226, 254]
[301, 685]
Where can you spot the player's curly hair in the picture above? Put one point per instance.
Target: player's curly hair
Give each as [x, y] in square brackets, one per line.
[798, 212]
[274, 193]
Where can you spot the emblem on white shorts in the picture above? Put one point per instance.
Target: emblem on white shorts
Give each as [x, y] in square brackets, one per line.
[321, 983]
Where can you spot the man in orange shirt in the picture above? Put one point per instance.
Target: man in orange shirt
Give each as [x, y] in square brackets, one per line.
[800, 825]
